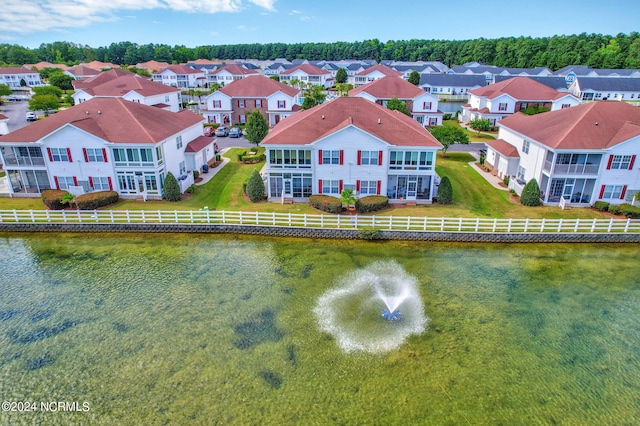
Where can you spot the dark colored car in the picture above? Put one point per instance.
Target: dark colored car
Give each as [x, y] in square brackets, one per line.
[222, 131]
[236, 132]
[209, 131]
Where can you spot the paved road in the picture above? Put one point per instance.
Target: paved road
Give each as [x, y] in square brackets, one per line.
[228, 142]
[16, 111]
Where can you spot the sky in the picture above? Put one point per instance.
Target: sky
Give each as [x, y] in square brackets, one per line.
[192, 23]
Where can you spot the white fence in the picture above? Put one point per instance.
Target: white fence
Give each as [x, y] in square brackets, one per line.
[397, 223]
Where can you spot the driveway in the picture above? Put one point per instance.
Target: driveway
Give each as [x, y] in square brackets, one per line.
[227, 142]
[16, 111]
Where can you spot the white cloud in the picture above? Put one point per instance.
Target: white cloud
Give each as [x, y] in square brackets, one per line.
[22, 17]
[295, 12]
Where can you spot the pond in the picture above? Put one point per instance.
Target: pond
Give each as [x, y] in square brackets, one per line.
[212, 329]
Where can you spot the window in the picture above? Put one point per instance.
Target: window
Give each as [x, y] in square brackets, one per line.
[258, 103]
[330, 157]
[520, 175]
[566, 106]
[95, 155]
[179, 142]
[99, 183]
[241, 103]
[217, 104]
[166, 99]
[612, 191]
[330, 186]
[525, 146]
[426, 105]
[282, 104]
[243, 118]
[146, 156]
[159, 154]
[502, 106]
[64, 182]
[59, 154]
[368, 187]
[183, 168]
[523, 106]
[620, 162]
[135, 156]
[369, 158]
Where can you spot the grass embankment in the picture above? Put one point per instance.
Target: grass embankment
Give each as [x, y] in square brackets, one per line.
[473, 196]
[472, 134]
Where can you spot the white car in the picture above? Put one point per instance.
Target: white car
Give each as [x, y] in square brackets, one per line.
[31, 116]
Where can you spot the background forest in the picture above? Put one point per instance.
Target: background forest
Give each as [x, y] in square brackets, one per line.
[595, 50]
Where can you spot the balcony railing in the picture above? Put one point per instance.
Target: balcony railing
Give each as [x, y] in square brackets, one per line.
[24, 161]
[572, 169]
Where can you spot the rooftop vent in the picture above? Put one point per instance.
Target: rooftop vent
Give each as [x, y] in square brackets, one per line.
[378, 121]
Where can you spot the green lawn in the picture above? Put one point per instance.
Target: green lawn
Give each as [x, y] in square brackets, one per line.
[473, 196]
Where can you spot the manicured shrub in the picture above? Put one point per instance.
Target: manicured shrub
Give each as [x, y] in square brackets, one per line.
[371, 203]
[530, 194]
[196, 174]
[369, 234]
[602, 206]
[326, 203]
[95, 200]
[614, 209]
[630, 211]
[52, 198]
[255, 187]
[445, 191]
[171, 188]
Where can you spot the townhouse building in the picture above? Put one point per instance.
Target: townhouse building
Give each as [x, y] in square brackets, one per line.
[17, 77]
[180, 76]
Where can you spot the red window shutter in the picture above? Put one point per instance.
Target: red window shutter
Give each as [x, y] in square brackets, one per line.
[601, 192]
[340, 186]
[55, 179]
[86, 156]
[284, 104]
[238, 103]
[110, 183]
[90, 181]
[69, 155]
[50, 154]
[75, 181]
[359, 157]
[633, 160]
[378, 187]
[609, 163]
[319, 156]
[341, 158]
[357, 186]
[424, 105]
[104, 154]
[379, 158]
[624, 191]
[320, 186]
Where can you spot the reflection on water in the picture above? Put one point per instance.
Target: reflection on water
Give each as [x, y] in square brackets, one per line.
[215, 329]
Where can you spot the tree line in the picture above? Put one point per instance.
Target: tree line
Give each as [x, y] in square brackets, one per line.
[595, 50]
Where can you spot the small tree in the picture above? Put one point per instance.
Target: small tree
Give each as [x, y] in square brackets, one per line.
[44, 102]
[341, 76]
[530, 194]
[534, 109]
[449, 135]
[62, 81]
[445, 191]
[255, 187]
[398, 105]
[414, 78]
[68, 199]
[257, 128]
[348, 197]
[480, 125]
[171, 188]
[313, 96]
[5, 90]
[48, 90]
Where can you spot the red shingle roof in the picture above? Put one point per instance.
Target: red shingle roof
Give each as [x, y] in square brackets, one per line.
[15, 70]
[101, 78]
[180, 69]
[389, 87]
[81, 71]
[257, 86]
[382, 69]
[596, 125]
[111, 119]
[235, 70]
[308, 126]
[120, 86]
[520, 88]
[198, 144]
[307, 68]
[503, 147]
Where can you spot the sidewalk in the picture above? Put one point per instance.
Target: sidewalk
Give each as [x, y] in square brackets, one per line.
[495, 181]
[206, 177]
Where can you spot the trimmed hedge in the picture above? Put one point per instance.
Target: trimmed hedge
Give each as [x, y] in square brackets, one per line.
[602, 206]
[630, 211]
[52, 198]
[371, 203]
[95, 200]
[614, 209]
[326, 203]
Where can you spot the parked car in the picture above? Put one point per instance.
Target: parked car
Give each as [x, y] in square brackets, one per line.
[209, 131]
[31, 116]
[222, 131]
[236, 132]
